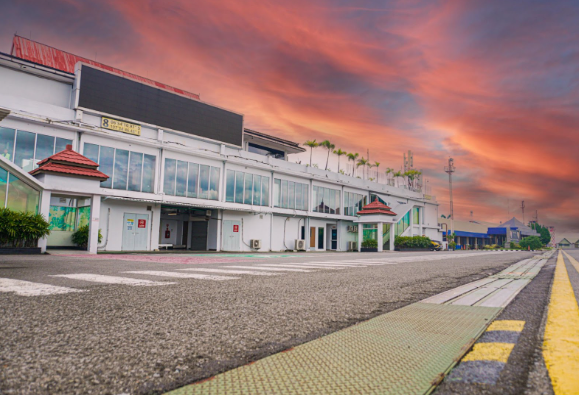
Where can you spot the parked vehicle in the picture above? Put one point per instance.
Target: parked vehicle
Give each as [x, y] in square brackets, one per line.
[436, 245]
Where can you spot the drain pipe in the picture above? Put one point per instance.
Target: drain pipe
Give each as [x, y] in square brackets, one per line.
[108, 227]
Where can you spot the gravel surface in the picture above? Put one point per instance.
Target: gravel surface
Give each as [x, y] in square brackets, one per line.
[145, 340]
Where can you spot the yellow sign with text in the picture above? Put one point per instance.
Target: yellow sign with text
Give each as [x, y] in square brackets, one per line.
[120, 126]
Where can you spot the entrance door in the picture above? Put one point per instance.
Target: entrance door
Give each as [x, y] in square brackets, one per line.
[231, 238]
[135, 232]
[199, 235]
[334, 238]
[313, 237]
[321, 238]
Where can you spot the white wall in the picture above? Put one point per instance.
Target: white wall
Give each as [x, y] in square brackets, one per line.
[255, 226]
[112, 225]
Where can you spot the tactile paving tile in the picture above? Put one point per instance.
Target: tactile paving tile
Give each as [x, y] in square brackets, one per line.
[406, 351]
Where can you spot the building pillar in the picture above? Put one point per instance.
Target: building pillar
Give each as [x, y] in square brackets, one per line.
[45, 211]
[360, 236]
[379, 236]
[219, 229]
[392, 235]
[155, 226]
[93, 231]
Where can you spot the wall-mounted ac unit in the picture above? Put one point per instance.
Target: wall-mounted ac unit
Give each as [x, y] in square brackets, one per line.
[352, 229]
[255, 244]
[352, 246]
[300, 245]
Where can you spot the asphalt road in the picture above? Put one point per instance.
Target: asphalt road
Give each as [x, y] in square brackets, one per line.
[151, 337]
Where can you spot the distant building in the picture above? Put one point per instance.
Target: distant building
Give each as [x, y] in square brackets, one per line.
[565, 244]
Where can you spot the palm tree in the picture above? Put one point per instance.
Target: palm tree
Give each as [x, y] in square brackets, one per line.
[396, 175]
[412, 175]
[362, 162]
[312, 144]
[389, 171]
[339, 152]
[329, 146]
[352, 157]
[376, 165]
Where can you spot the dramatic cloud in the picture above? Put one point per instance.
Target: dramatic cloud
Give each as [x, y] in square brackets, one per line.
[495, 85]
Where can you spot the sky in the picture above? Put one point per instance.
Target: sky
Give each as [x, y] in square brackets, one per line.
[493, 84]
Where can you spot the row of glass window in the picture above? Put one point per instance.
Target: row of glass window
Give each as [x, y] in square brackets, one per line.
[403, 224]
[290, 194]
[26, 149]
[326, 200]
[247, 188]
[16, 195]
[416, 216]
[127, 170]
[353, 202]
[191, 180]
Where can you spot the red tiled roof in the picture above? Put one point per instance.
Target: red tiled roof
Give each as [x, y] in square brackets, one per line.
[68, 169]
[376, 207]
[48, 56]
[69, 156]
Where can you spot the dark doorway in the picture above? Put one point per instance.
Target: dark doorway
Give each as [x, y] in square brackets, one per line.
[199, 235]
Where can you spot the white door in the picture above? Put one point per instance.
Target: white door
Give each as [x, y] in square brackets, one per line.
[231, 238]
[135, 232]
[142, 232]
[129, 224]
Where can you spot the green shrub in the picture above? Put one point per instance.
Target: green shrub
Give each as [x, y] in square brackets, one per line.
[532, 241]
[515, 246]
[451, 245]
[20, 229]
[370, 243]
[412, 242]
[80, 237]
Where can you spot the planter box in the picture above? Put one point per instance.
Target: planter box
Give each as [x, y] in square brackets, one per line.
[14, 251]
[367, 249]
[411, 249]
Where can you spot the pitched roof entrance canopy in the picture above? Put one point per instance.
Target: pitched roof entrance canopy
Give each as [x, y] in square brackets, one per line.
[376, 207]
[71, 163]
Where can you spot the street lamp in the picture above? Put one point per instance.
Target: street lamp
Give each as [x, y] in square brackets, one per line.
[450, 169]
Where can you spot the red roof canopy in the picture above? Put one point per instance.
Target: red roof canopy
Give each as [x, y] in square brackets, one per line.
[48, 56]
[70, 162]
[376, 207]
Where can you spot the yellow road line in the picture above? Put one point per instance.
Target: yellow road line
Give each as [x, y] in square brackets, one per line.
[572, 261]
[507, 325]
[490, 352]
[561, 344]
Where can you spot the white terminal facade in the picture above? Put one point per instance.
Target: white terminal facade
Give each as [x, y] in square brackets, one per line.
[213, 185]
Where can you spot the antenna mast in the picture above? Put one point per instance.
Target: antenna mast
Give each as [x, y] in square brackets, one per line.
[450, 169]
[523, 210]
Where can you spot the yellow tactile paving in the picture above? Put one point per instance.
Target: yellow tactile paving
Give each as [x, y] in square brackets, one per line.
[490, 352]
[561, 345]
[507, 325]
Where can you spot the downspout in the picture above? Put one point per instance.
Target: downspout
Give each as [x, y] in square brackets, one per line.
[108, 227]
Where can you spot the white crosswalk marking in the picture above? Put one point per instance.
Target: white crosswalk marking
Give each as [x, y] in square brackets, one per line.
[28, 288]
[230, 271]
[300, 266]
[270, 269]
[99, 278]
[183, 275]
[342, 263]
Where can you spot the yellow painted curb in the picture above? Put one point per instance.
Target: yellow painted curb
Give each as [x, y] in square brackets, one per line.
[507, 325]
[561, 344]
[490, 352]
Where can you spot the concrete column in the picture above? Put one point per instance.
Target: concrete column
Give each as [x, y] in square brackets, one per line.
[392, 236]
[412, 222]
[219, 229]
[420, 220]
[155, 226]
[360, 236]
[45, 211]
[379, 236]
[93, 232]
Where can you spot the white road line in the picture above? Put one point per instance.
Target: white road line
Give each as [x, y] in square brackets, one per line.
[230, 271]
[99, 278]
[270, 269]
[342, 263]
[183, 275]
[302, 266]
[28, 288]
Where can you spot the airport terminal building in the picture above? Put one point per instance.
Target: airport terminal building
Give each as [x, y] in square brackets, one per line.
[152, 166]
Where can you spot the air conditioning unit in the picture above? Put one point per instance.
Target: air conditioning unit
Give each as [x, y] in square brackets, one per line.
[300, 245]
[352, 246]
[352, 229]
[255, 244]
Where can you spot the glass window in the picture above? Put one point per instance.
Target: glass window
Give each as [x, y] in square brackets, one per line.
[24, 153]
[326, 200]
[291, 195]
[135, 171]
[181, 179]
[44, 147]
[306, 199]
[248, 189]
[3, 186]
[256, 190]
[346, 203]
[106, 163]
[284, 194]
[91, 151]
[214, 184]
[169, 180]
[238, 187]
[60, 145]
[265, 191]
[230, 186]
[121, 169]
[7, 143]
[21, 197]
[148, 173]
[193, 180]
[203, 181]
[299, 197]
[416, 216]
[276, 193]
[337, 202]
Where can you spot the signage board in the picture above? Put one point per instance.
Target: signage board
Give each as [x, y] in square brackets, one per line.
[120, 126]
[236, 228]
[142, 223]
[130, 223]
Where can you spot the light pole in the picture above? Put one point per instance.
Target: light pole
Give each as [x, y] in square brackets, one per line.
[450, 169]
